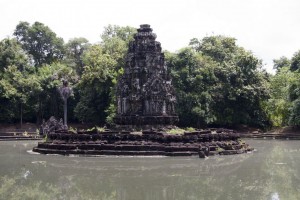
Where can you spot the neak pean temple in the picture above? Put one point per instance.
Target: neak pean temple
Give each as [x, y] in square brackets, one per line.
[145, 100]
[145, 95]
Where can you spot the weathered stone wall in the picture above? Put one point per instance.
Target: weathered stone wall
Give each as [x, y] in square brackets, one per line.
[145, 94]
[201, 143]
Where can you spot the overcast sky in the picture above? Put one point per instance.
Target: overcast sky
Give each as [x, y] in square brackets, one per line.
[268, 28]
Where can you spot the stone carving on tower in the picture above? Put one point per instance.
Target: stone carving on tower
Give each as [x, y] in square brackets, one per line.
[145, 95]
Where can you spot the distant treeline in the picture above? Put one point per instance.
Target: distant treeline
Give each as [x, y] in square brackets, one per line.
[217, 82]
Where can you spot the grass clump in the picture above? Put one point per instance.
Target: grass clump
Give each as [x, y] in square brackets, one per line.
[72, 130]
[176, 131]
[190, 129]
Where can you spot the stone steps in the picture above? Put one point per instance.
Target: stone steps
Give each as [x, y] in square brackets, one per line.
[202, 143]
[138, 149]
[291, 136]
[13, 138]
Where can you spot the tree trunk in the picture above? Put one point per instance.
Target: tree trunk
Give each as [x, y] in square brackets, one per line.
[65, 112]
[39, 112]
[21, 115]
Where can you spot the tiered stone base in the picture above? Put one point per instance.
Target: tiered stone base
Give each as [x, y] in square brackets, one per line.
[146, 120]
[148, 143]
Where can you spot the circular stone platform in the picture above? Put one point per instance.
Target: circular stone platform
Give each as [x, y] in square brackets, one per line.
[148, 143]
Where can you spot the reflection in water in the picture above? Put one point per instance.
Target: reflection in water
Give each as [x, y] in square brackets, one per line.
[281, 167]
[26, 174]
[275, 196]
[271, 173]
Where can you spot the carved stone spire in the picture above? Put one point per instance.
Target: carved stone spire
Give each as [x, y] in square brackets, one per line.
[145, 95]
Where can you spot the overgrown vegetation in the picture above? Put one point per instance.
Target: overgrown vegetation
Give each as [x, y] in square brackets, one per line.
[218, 83]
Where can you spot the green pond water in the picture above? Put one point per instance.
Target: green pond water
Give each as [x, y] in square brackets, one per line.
[272, 172]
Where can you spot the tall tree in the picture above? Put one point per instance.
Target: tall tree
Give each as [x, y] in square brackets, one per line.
[281, 62]
[16, 82]
[103, 64]
[48, 101]
[11, 53]
[219, 78]
[115, 41]
[40, 42]
[241, 81]
[192, 74]
[74, 52]
[95, 85]
[279, 103]
[294, 91]
[19, 86]
[295, 62]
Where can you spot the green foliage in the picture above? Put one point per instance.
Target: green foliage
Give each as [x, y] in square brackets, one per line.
[281, 62]
[294, 97]
[189, 78]
[100, 129]
[215, 79]
[279, 103]
[97, 128]
[47, 102]
[46, 139]
[176, 131]
[40, 42]
[190, 129]
[295, 113]
[219, 48]
[180, 130]
[72, 130]
[295, 62]
[217, 82]
[115, 41]
[74, 53]
[95, 85]
[102, 65]
[17, 84]
[11, 53]
[284, 103]
[18, 87]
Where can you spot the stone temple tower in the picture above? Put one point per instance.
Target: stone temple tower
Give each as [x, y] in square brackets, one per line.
[145, 95]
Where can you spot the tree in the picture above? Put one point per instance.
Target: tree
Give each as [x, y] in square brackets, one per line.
[215, 79]
[219, 48]
[284, 103]
[47, 101]
[192, 73]
[16, 84]
[279, 103]
[74, 52]
[295, 62]
[95, 85]
[241, 81]
[281, 62]
[18, 87]
[12, 54]
[294, 91]
[40, 42]
[115, 41]
[295, 113]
